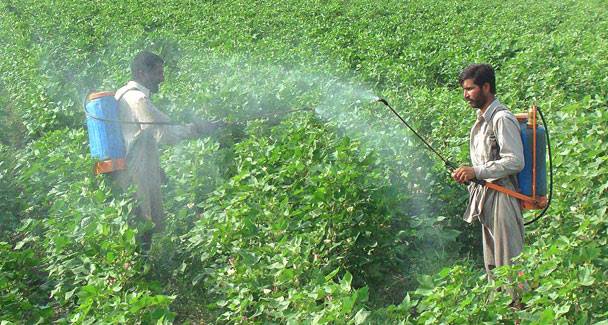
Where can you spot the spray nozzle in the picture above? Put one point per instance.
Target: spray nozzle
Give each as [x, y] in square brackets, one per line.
[381, 100]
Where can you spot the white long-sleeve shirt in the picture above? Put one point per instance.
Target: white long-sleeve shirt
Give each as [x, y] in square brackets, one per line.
[135, 106]
[142, 140]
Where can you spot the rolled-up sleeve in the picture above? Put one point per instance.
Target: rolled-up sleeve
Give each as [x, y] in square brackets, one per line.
[510, 149]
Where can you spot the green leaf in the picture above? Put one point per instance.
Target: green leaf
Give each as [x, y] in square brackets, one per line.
[361, 316]
[363, 294]
[332, 274]
[547, 316]
[70, 293]
[110, 257]
[20, 244]
[563, 309]
[346, 281]
[585, 276]
[348, 302]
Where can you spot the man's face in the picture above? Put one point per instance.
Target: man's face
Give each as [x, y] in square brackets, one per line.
[153, 78]
[475, 95]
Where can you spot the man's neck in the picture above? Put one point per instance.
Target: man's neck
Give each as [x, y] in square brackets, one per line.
[141, 82]
[487, 104]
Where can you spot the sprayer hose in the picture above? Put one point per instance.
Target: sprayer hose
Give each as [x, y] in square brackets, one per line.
[550, 170]
[173, 123]
[129, 122]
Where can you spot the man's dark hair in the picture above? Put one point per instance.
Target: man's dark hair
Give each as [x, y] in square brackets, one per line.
[480, 73]
[145, 61]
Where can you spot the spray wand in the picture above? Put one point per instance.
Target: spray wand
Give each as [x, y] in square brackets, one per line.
[450, 165]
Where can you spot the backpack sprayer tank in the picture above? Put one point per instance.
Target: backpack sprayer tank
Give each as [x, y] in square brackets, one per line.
[532, 180]
[105, 133]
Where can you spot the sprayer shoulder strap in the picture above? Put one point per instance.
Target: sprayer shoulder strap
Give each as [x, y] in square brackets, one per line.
[122, 95]
[499, 112]
[492, 126]
[126, 122]
[494, 146]
[125, 92]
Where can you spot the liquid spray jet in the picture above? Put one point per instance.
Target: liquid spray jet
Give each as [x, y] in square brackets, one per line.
[450, 165]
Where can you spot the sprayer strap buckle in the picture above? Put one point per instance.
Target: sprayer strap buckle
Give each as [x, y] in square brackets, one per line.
[539, 203]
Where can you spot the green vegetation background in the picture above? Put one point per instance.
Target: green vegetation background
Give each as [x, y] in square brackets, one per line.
[334, 217]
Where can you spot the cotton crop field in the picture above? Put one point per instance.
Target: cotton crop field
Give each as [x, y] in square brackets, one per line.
[313, 204]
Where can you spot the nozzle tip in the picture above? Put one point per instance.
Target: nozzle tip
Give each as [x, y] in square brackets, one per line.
[381, 100]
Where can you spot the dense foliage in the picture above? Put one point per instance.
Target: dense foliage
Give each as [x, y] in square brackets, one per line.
[333, 214]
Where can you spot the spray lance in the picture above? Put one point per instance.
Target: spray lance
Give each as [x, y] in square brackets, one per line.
[450, 166]
[528, 176]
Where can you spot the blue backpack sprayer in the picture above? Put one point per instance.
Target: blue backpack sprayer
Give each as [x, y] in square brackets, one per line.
[532, 180]
[105, 132]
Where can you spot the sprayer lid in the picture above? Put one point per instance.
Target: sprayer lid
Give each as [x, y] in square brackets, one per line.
[521, 117]
[100, 94]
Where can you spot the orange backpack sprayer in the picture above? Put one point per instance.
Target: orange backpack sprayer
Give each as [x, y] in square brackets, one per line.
[532, 180]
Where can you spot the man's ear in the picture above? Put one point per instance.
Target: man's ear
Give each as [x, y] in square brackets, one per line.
[486, 88]
[139, 74]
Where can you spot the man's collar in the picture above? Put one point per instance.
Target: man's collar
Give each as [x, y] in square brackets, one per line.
[490, 110]
[142, 88]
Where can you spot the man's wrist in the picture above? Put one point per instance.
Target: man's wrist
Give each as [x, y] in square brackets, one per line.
[478, 171]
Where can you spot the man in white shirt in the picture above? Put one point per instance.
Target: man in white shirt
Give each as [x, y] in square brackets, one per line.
[144, 128]
[496, 156]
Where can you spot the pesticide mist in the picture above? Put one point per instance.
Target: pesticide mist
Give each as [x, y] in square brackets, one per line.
[235, 89]
[205, 84]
